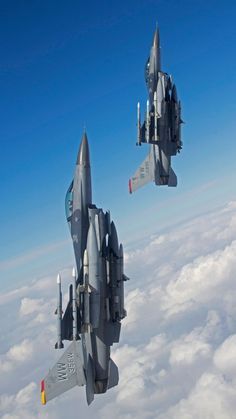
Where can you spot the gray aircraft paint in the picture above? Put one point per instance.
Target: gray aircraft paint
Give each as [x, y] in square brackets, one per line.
[81, 198]
[58, 311]
[162, 125]
[92, 319]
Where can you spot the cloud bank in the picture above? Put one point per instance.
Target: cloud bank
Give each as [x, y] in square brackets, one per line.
[177, 351]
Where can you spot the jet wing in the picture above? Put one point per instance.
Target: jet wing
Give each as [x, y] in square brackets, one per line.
[65, 374]
[144, 174]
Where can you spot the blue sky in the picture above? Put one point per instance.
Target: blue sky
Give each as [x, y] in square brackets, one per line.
[66, 65]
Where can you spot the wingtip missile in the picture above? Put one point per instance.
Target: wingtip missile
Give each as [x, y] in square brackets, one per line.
[74, 305]
[138, 125]
[58, 312]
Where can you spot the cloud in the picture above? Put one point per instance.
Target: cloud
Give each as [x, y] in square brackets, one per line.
[225, 357]
[30, 305]
[25, 395]
[188, 350]
[176, 353]
[212, 397]
[17, 406]
[201, 280]
[16, 354]
[21, 352]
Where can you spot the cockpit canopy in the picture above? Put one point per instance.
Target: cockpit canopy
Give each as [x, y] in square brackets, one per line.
[69, 203]
[146, 72]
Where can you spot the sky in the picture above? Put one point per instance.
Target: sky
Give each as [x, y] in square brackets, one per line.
[69, 66]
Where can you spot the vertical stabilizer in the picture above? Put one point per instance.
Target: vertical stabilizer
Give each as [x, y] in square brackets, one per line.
[172, 178]
[65, 374]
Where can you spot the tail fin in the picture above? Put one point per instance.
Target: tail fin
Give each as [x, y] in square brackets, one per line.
[144, 174]
[172, 178]
[65, 374]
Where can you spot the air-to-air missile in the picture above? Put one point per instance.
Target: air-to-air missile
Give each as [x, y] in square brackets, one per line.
[161, 127]
[92, 319]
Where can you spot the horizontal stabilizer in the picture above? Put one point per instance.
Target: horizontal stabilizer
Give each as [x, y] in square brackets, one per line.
[172, 178]
[144, 174]
[113, 374]
[65, 374]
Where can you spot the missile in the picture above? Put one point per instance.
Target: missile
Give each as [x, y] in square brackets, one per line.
[147, 122]
[101, 219]
[74, 305]
[155, 115]
[113, 282]
[159, 97]
[138, 125]
[98, 232]
[86, 267]
[113, 240]
[122, 278]
[86, 294]
[59, 343]
[94, 279]
[114, 272]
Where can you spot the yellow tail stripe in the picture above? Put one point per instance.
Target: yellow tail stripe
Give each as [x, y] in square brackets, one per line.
[43, 397]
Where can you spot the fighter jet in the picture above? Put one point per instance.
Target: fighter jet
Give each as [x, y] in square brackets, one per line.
[162, 126]
[92, 319]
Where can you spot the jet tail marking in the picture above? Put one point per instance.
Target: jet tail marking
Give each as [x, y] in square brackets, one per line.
[144, 174]
[65, 374]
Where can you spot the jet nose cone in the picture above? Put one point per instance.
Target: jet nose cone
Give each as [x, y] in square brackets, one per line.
[83, 154]
[156, 39]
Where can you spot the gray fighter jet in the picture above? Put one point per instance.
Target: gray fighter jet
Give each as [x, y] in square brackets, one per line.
[92, 319]
[161, 128]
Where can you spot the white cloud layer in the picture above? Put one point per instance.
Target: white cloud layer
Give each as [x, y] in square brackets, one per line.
[176, 356]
